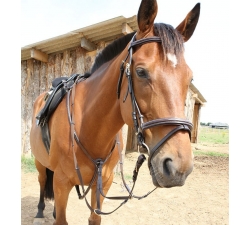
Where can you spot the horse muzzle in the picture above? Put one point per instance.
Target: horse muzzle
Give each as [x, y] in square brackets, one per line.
[167, 172]
[170, 165]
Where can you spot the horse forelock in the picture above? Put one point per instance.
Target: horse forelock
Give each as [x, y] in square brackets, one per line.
[172, 40]
[111, 51]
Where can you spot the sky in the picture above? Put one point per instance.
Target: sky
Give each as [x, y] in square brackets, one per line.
[204, 52]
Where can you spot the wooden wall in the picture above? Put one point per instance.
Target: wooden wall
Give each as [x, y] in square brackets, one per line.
[189, 105]
[37, 77]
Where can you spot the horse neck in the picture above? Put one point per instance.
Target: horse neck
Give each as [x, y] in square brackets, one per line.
[100, 109]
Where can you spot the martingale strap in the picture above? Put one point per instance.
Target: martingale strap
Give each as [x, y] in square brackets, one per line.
[98, 164]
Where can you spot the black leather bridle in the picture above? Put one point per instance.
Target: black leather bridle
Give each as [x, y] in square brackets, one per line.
[139, 125]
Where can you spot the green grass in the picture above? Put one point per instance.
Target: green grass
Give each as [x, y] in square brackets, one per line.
[209, 136]
[208, 153]
[28, 164]
[213, 136]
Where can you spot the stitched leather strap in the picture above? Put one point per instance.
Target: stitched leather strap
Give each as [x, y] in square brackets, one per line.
[166, 121]
[144, 41]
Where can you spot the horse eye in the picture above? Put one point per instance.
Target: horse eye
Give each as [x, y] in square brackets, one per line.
[142, 73]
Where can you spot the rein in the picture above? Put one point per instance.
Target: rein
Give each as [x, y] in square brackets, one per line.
[139, 126]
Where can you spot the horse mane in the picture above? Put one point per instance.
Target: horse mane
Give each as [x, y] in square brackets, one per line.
[172, 42]
[112, 50]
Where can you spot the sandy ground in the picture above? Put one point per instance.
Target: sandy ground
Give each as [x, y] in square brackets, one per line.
[204, 199]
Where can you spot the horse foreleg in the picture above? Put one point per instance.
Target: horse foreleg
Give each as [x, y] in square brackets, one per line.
[95, 219]
[62, 187]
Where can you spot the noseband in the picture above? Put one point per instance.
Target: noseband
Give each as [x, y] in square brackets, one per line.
[181, 124]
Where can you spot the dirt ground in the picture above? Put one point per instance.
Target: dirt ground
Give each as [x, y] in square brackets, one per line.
[204, 199]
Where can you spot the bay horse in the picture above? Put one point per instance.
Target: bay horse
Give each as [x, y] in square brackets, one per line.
[150, 97]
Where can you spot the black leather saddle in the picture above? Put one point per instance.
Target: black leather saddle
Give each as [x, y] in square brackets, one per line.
[60, 86]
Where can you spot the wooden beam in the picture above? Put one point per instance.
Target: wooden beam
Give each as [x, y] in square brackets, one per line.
[126, 29]
[86, 44]
[197, 99]
[36, 54]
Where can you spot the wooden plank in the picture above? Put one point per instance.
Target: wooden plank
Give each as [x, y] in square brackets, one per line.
[80, 60]
[189, 105]
[126, 29]
[72, 62]
[38, 55]
[36, 81]
[51, 70]
[24, 135]
[65, 64]
[131, 140]
[195, 123]
[28, 102]
[58, 65]
[43, 78]
[86, 44]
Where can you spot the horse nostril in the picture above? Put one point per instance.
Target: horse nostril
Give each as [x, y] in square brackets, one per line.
[168, 167]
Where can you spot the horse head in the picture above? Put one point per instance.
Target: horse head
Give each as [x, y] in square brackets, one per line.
[159, 81]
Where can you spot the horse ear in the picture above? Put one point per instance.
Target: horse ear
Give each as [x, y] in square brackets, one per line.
[187, 26]
[146, 15]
